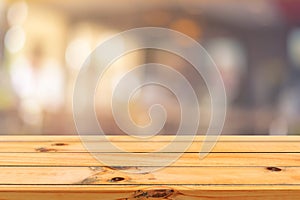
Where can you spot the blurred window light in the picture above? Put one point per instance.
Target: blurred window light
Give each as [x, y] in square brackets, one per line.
[230, 57]
[22, 77]
[17, 13]
[44, 85]
[293, 45]
[119, 67]
[15, 39]
[77, 52]
[228, 53]
[50, 86]
[31, 112]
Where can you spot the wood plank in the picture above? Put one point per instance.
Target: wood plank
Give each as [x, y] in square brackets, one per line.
[77, 146]
[239, 167]
[165, 176]
[167, 138]
[33, 192]
[187, 159]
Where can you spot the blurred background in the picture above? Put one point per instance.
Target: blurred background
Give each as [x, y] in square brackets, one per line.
[256, 45]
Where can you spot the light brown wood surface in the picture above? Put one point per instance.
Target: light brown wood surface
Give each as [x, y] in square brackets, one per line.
[60, 167]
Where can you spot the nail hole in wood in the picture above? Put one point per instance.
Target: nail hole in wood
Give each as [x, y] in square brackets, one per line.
[117, 179]
[274, 169]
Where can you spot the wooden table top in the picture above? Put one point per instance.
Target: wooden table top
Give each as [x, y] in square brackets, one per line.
[60, 167]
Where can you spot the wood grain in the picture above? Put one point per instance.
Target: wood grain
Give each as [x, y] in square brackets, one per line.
[164, 176]
[187, 159]
[129, 146]
[148, 193]
[59, 167]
